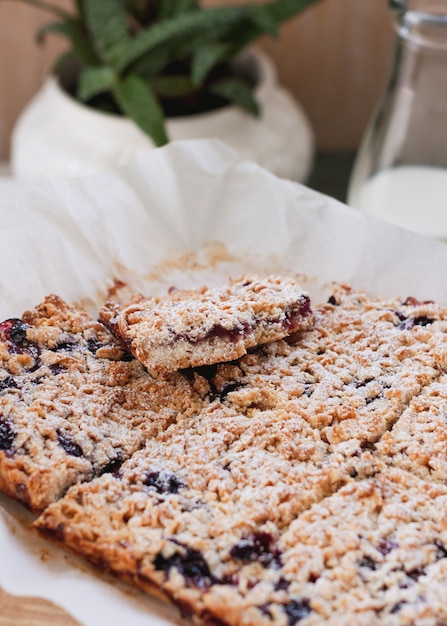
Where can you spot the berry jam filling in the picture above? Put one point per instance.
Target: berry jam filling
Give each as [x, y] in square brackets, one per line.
[259, 547]
[8, 383]
[13, 332]
[441, 550]
[297, 610]
[410, 301]
[282, 584]
[56, 368]
[295, 315]
[67, 443]
[69, 345]
[416, 573]
[94, 344]
[397, 607]
[220, 332]
[368, 563]
[407, 323]
[163, 482]
[114, 464]
[292, 322]
[7, 436]
[386, 546]
[189, 564]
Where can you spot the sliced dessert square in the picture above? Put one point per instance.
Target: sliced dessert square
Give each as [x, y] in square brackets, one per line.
[201, 327]
[352, 375]
[73, 404]
[374, 553]
[418, 440]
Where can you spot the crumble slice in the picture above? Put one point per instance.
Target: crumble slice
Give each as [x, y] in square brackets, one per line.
[201, 327]
[375, 553]
[201, 508]
[73, 404]
[352, 375]
[418, 440]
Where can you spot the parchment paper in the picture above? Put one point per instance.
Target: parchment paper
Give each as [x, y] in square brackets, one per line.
[188, 214]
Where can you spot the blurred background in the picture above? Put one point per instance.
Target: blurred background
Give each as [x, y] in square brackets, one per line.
[333, 58]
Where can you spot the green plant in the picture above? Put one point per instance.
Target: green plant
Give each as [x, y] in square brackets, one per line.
[142, 55]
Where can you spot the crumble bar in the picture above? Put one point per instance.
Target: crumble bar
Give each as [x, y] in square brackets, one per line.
[418, 440]
[201, 327]
[72, 404]
[273, 501]
[352, 375]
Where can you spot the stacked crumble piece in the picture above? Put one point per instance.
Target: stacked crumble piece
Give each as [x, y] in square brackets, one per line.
[302, 483]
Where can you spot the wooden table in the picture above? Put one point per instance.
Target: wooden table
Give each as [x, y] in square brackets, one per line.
[19, 611]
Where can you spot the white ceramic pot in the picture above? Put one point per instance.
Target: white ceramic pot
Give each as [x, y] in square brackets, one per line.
[56, 136]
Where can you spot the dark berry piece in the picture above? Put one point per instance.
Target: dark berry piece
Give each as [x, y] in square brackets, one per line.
[308, 389]
[441, 550]
[67, 442]
[423, 320]
[56, 368]
[68, 345]
[410, 301]
[296, 610]
[17, 333]
[13, 332]
[93, 344]
[259, 547]
[190, 564]
[416, 573]
[332, 300]
[368, 562]
[386, 546]
[8, 383]
[282, 584]
[163, 482]
[7, 436]
[114, 464]
[265, 610]
[368, 445]
[358, 384]
[397, 607]
[411, 322]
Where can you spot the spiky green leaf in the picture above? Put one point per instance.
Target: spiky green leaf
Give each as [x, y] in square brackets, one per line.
[107, 23]
[93, 81]
[137, 100]
[205, 57]
[171, 8]
[188, 25]
[237, 91]
[265, 21]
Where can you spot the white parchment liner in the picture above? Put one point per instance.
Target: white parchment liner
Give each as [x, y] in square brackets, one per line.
[76, 237]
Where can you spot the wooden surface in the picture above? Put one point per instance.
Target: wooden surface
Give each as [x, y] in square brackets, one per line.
[17, 611]
[334, 58]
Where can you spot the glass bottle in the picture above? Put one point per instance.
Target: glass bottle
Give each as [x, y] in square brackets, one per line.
[400, 173]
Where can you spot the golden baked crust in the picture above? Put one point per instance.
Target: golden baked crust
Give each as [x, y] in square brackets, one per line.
[73, 404]
[277, 502]
[205, 326]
